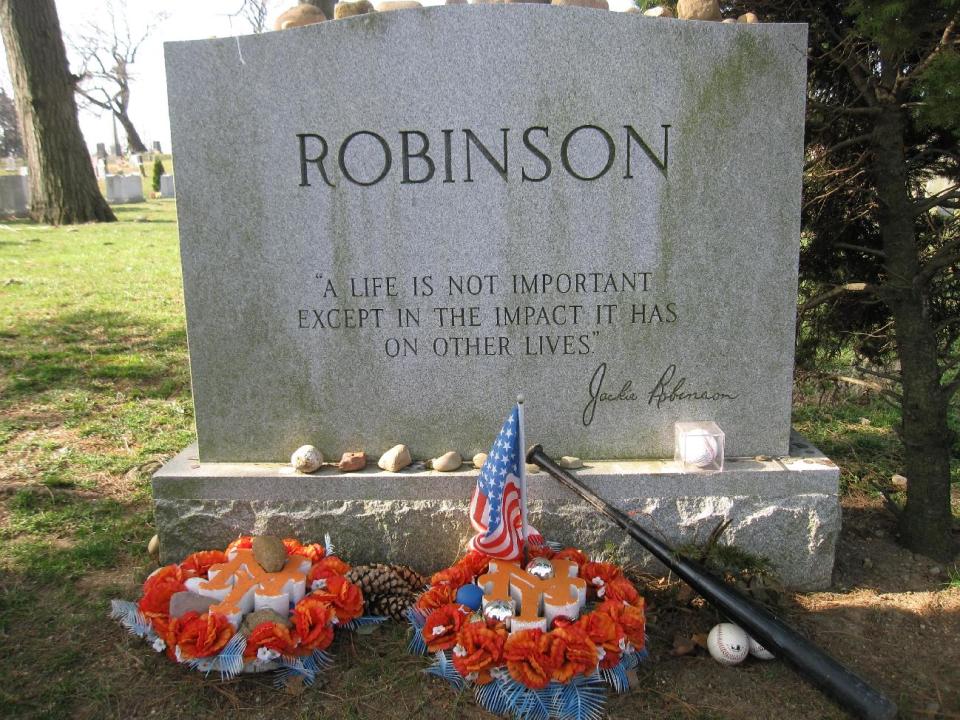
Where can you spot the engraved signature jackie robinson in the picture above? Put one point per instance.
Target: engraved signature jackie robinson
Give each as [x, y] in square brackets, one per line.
[666, 390]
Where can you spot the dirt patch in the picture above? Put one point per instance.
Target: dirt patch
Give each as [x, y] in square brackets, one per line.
[96, 582]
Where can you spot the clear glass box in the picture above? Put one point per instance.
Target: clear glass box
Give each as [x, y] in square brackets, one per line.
[698, 445]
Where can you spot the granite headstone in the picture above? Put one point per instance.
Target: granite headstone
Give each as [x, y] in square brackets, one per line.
[596, 209]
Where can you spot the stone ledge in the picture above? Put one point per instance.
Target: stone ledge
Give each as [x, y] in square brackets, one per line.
[805, 470]
[786, 509]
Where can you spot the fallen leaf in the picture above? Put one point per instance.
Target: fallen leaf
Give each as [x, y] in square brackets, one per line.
[682, 646]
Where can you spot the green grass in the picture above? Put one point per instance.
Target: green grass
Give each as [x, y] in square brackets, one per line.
[860, 431]
[953, 578]
[94, 392]
[94, 386]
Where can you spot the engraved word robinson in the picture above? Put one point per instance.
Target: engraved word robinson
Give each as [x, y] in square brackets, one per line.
[419, 164]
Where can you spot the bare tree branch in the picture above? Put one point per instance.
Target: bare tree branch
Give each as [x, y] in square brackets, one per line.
[842, 110]
[877, 373]
[906, 81]
[255, 13]
[861, 248]
[946, 256]
[106, 52]
[931, 202]
[893, 398]
[835, 292]
[822, 155]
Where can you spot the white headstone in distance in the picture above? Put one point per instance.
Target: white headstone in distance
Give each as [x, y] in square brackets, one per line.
[14, 195]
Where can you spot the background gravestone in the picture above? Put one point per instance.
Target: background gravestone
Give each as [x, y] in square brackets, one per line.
[14, 195]
[123, 188]
[167, 186]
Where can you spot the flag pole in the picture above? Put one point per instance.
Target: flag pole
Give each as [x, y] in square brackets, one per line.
[523, 480]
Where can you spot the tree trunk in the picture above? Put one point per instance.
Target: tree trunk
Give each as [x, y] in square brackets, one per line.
[63, 187]
[927, 520]
[133, 137]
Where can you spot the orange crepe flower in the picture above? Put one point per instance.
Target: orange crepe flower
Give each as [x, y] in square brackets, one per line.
[198, 564]
[527, 662]
[442, 625]
[314, 552]
[598, 574]
[162, 576]
[628, 617]
[327, 567]
[291, 544]
[536, 551]
[606, 633]
[243, 542]
[620, 589]
[603, 630]
[158, 588]
[203, 635]
[345, 598]
[313, 623]
[577, 556]
[436, 597]
[166, 629]
[454, 576]
[273, 636]
[478, 649]
[476, 562]
[571, 652]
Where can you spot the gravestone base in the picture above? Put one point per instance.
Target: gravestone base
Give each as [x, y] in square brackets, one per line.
[785, 509]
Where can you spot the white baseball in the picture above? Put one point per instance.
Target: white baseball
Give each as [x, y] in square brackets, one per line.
[699, 448]
[759, 651]
[728, 644]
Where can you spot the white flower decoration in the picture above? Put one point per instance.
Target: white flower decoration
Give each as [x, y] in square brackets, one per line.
[265, 654]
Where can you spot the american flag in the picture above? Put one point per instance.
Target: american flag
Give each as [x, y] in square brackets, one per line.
[495, 511]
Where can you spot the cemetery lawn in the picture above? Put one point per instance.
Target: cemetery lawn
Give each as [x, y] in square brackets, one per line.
[95, 395]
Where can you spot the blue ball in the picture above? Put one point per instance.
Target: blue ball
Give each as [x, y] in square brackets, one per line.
[471, 596]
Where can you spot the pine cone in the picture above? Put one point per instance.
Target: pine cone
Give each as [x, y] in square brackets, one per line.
[387, 589]
[394, 606]
[415, 581]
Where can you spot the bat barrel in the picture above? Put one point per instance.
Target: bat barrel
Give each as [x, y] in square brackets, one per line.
[846, 688]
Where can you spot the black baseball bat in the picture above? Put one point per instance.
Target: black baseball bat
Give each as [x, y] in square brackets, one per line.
[847, 689]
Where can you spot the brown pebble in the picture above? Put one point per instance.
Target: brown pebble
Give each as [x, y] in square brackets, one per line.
[594, 4]
[259, 617]
[298, 16]
[269, 552]
[350, 9]
[352, 461]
